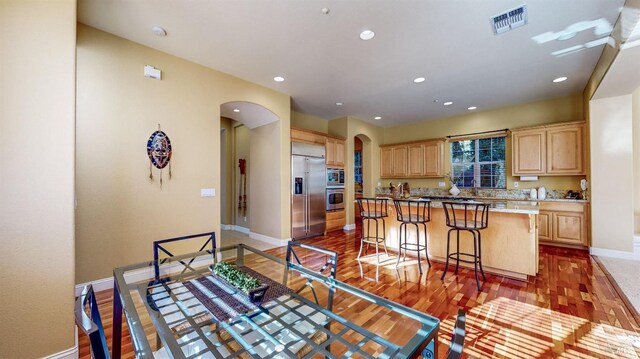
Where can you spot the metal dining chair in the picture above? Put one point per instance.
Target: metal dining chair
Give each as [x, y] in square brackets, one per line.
[208, 239]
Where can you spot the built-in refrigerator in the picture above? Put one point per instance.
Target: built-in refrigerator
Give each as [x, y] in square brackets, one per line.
[308, 186]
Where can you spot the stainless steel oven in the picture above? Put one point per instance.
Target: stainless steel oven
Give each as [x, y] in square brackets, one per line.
[335, 199]
[335, 178]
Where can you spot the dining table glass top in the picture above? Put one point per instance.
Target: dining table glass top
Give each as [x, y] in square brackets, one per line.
[177, 307]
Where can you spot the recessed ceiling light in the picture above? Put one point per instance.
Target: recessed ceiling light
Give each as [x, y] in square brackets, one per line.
[471, 108]
[418, 80]
[448, 103]
[338, 103]
[560, 79]
[158, 31]
[377, 118]
[325, 10]
[367, 35]
[236, 110]
[278, 79]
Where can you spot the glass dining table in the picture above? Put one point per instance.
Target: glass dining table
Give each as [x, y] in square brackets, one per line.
[177, 307]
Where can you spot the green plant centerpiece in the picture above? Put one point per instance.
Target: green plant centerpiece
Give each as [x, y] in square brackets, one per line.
[240, 280]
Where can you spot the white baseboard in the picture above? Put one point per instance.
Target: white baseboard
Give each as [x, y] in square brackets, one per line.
[226, 227]
[270, 240]
[139, 275]
[349, 227]
[241, 229]
[71, 353]
[612, 253]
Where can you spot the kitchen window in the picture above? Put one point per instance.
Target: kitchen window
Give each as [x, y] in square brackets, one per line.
[479, 163]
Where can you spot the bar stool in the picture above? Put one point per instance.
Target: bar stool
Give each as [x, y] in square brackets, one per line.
[471, 217]
[373, 210]
[416, 213]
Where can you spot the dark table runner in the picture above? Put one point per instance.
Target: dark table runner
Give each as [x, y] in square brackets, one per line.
[229, 301]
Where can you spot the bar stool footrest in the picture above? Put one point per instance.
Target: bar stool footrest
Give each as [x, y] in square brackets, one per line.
[415, 247]
[454, 256]
[373, 240]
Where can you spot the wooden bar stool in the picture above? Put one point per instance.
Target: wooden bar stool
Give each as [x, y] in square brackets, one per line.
[373, 211]
[413, 213]
[471, 217]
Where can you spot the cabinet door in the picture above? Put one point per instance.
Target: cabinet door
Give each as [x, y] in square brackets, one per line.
[400, 156]
[433, 159]
[569, 227]
[529, 152]
[565, 150]
[386, 162]
[416, 160]
[339, 153]
[331, 152]
[544, 225]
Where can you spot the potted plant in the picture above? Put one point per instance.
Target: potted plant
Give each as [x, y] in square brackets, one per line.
[241, 280]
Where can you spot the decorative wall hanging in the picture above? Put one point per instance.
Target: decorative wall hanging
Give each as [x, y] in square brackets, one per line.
[242, 198]
[159, 152]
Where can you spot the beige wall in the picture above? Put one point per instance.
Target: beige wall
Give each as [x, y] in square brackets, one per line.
[612, 178]
[556, 110]
[120, 211]
[309, 122]
[37, 102]
[635, 99]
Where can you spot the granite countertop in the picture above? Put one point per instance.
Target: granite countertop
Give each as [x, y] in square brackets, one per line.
[495, 205]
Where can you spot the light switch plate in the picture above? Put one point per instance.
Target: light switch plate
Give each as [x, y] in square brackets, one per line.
[207, 192]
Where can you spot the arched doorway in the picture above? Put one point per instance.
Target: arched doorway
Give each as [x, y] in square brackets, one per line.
[243, 201]
[361, 169]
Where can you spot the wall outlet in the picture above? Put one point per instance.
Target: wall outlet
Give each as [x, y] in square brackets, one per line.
[207, 192]
[515, 184]
[440, 184]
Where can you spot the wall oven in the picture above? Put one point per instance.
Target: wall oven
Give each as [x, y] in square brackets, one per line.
[335, 178]
[335, 199]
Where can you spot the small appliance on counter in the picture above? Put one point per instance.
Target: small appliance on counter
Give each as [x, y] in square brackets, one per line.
[542, 193]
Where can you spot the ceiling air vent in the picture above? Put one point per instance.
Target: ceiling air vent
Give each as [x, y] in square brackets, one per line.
[510, 20]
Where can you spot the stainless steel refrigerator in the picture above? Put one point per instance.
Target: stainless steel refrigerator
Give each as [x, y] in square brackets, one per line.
[308, 185]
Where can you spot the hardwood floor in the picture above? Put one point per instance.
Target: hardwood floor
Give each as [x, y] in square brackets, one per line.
[570, 309]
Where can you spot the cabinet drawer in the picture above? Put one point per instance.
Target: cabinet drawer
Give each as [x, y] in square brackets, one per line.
[335, 220]
[568, 227]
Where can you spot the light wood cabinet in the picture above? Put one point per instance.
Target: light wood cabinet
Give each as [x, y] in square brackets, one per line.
[305, 136]
[386, 162]
[334, 152]
[565, 150]
[529, 152]
[551, 150]
[335, 220]
[400, 154]
[433, 159]
[544, 225]
[412, 160]
[563, 223]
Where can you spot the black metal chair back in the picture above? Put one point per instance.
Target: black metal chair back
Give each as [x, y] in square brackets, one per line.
[466, 215]
[408, 211]
[158, 248]
[373, 207]
[91, 324]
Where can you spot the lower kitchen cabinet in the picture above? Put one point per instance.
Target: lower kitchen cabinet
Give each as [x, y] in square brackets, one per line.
[563, 223]
[336, 220]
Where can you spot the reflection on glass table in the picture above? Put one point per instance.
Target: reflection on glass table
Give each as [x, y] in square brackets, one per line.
[193, 313]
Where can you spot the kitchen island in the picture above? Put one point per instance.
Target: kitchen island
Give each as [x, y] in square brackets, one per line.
[509, 243]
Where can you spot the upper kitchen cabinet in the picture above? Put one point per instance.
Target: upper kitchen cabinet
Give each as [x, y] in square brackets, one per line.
[335, 152]
[412, 160]
[554, 150]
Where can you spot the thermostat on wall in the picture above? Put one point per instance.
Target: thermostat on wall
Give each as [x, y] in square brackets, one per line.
[152, 72]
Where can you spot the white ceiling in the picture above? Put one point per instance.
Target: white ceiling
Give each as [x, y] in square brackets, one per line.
[323, 60]
[249, 114]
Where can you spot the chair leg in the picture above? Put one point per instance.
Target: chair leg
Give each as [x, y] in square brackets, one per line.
[480, 255]
[426, 252]
[399, 244]
[475, 255]
[418, 244]
[377, 241]
[384, 237]
[446, 266]
[361, 237]
[457, 250]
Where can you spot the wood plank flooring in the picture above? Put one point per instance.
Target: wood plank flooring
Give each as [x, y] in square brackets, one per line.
[570, 309]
